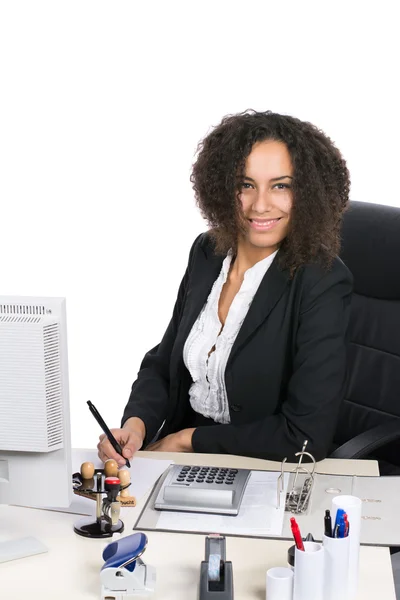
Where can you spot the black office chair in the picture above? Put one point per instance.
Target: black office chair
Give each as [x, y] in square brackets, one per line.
[369, 422]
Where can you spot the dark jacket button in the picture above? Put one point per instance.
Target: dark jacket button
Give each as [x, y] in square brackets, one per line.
[236, 407]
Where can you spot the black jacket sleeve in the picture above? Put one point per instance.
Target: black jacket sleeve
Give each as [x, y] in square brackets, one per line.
[315, 389]
[150, 392]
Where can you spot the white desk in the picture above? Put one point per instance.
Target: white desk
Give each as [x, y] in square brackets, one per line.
[70, 570]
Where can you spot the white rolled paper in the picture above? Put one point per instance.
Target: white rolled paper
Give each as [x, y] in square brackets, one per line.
[280, 584]
[214, 567]
[353, 507]
[309, 572]
[336, 568]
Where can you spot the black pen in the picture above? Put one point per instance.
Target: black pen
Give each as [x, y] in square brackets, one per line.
[108, 433]
[328, 523]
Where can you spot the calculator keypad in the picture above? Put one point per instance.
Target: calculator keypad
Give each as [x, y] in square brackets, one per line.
[192, 475]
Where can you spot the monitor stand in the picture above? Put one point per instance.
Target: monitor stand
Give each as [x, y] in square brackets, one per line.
[20, 548]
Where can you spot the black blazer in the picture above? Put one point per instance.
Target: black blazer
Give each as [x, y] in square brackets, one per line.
[286, 372]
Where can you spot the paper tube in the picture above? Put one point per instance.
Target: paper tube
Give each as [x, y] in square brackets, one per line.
[353, 507]
[309, 572]
[280, 584]
[336, 568]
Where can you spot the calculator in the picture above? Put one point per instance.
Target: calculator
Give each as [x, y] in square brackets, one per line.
[215, 490]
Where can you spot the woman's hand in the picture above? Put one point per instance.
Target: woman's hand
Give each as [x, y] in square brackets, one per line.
[181, 441]
[130, 438]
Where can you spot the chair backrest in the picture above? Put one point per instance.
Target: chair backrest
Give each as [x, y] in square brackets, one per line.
[371, 250]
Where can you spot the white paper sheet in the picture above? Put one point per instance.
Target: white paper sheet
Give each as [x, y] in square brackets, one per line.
[258, 514]
[144, 473]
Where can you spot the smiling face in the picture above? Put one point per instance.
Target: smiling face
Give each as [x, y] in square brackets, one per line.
[266, 195]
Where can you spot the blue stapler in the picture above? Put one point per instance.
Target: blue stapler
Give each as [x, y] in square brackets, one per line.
[124, 575]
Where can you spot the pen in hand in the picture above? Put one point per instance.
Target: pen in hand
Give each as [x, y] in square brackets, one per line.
[106, 430]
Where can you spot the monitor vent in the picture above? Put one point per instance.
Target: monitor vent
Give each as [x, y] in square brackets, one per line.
[52, 376]
[31, 383]
[18, 319]
[22, 309]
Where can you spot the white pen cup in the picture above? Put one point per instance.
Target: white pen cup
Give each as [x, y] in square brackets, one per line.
[353, 507]
[280, 584]
[309, 572]
[336, 568]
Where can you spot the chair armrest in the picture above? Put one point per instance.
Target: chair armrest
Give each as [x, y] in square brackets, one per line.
[364, 444]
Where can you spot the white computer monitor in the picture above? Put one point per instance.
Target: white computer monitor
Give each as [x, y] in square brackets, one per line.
[35, 436]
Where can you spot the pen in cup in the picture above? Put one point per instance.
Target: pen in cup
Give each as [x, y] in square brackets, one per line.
[338, 520]
[347, 525]
[106, 430]
[328, 523]
[341, 527]
[296, 534]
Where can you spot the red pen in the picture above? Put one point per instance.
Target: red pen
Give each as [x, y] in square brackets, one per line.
[346, 522]
[296, 534]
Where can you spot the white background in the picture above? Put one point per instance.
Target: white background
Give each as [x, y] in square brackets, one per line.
[102, 105]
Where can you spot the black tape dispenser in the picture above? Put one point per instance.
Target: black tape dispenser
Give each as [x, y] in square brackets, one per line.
[216, 576]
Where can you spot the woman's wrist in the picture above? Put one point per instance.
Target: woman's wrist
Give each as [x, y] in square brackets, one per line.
[185, 439]
[137, 426]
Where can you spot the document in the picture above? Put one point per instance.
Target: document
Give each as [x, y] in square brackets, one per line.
[258, 514]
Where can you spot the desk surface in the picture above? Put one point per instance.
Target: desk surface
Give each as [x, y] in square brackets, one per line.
[70, 570]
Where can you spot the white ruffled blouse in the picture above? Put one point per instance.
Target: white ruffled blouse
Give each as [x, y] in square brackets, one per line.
[207, 392]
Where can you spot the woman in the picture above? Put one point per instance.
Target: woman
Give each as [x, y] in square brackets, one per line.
[253, 361]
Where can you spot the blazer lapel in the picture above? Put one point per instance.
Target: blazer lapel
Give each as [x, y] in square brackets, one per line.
[269, 292]
[200, 285]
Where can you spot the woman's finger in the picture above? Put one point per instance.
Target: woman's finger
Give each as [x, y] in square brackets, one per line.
[106, 451]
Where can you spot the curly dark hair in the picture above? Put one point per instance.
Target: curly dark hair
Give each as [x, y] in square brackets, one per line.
[320, 185]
